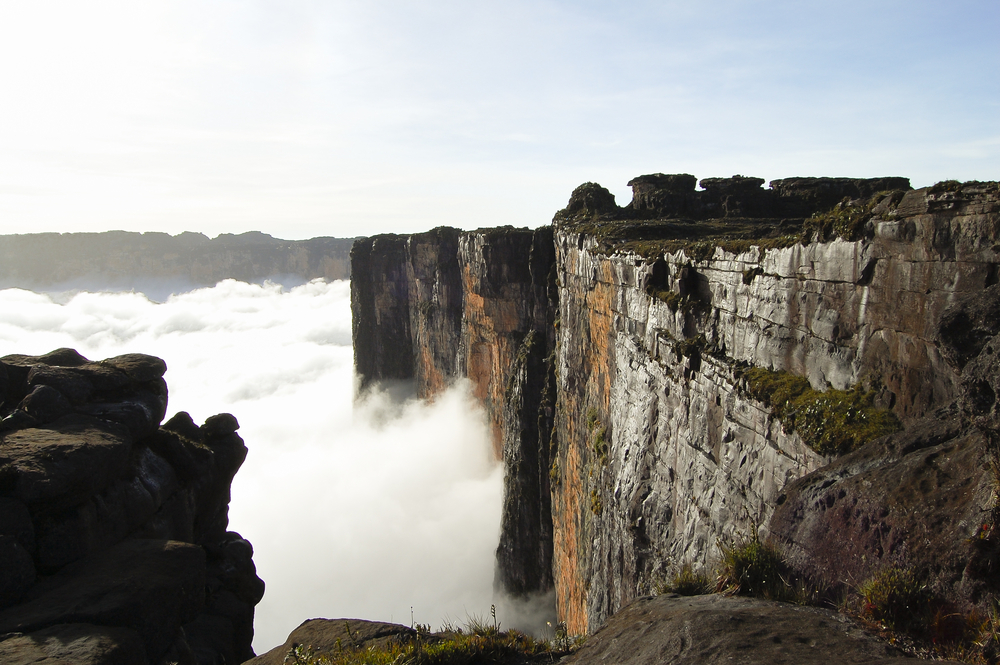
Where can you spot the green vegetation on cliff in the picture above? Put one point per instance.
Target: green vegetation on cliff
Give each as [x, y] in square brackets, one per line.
[832, 422]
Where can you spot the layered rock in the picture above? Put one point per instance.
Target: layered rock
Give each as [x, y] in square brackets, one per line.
[447, 304]
[923, 499]
[125, 260]
[656, 451]
[112, 528]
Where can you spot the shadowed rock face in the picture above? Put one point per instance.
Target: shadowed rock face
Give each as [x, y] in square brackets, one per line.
[113, 541]
[655, 451]
[446, 304]
[918, 499]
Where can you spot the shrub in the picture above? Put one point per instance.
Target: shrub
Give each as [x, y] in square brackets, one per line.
[754, 568]
[686, 582]
[895, 599]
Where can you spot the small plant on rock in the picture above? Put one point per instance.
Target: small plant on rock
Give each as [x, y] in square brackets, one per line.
[896, 599]
[686, 582]
[753, 567]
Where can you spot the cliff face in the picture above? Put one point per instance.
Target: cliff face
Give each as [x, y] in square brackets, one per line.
[650, 442]
[126, 260]
[113, 540]
[445, 304]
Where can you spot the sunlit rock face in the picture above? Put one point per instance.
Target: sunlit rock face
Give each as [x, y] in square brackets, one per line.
[647, 446]
[113, 528]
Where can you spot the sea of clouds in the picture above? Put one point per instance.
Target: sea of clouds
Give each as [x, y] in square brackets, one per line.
[385, 508]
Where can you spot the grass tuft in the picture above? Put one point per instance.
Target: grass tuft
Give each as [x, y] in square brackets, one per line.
[686, 582]
[753, 567]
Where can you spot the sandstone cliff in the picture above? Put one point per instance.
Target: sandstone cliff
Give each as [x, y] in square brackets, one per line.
[125, 260]
[614, 353]
[113, 540]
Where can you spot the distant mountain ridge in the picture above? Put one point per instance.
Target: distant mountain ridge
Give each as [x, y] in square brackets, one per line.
[129, 260]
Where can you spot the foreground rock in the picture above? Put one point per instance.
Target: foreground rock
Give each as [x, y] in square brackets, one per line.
[334, 635]
[113, 541]
[705, 630]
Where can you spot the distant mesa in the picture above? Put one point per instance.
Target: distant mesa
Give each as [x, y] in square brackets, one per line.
[122, 260]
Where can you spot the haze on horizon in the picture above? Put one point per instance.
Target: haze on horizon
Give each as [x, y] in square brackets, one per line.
[304, 118]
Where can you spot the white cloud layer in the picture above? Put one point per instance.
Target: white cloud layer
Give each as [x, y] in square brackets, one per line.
[360, 511]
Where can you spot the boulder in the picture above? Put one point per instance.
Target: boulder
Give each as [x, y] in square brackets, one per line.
[709, 630]
[108, 520]
[73, 644]
[152, 587]
[330, 635]
[73, 457]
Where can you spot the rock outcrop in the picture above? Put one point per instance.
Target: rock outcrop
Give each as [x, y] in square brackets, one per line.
[333, 636]
[716, 630]
[113, 540]
[645, 442]
[125, 260]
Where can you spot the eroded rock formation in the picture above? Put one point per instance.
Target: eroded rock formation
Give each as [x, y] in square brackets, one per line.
[113, 530]
[635, 329]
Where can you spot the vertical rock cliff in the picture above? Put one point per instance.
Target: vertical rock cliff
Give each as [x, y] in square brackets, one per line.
[447, 304]
[619, 380]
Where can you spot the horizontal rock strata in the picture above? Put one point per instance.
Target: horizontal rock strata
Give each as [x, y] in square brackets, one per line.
[612, 362]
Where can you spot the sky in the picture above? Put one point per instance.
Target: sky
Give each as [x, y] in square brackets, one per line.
[303, 118]
[355, 510]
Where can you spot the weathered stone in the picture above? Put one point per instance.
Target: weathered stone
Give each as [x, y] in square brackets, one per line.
[45, 404]
[74, 644]
[327, 635]
[73, 385]
[70, 459]
[716, 630]
[220, 425]
[80, 494]
[382, 317]
[17, 570]
[149, 586]
[139, 367]
[658, 453]
[588, 200]
[914, 500]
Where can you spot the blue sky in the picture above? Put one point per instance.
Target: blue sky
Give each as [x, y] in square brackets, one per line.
[302, 118]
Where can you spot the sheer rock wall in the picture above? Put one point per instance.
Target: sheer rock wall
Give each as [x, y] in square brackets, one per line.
[642, 439]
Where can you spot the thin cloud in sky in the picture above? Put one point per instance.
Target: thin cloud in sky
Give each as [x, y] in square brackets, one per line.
[307, 118]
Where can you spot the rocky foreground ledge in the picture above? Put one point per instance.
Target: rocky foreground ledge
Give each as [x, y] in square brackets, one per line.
[113, 540]
[682, 630]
